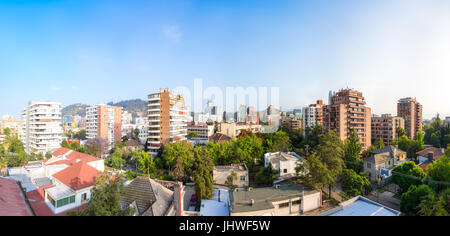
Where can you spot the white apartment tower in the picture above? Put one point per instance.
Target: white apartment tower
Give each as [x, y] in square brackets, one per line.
[167, 117]
[42, 127]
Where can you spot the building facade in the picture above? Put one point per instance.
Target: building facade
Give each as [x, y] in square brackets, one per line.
[167, 117]
[385, 127]
[411, 111]
[346, 112]
[42, 129]
[104, 121]
[313, 115]
[222, 173]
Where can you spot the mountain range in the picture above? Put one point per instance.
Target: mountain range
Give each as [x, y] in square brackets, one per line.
[137, 107]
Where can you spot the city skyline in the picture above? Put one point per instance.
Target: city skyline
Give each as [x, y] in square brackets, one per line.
[92, 53]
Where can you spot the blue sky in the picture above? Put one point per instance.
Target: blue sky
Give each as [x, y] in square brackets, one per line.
[100, 51]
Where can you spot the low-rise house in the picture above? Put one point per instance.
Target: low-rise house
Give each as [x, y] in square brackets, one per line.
[280, 200]
[382, 161]
[219, 138]
[361, 206]
[61, 183]
[239, 173]
[149, 198]
[12, 199]
[284, 162]
[429, 155]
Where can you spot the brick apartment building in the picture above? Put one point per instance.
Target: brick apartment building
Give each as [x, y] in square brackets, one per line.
[347, 111]
[410, 110]
[104, 121]
[385, 127]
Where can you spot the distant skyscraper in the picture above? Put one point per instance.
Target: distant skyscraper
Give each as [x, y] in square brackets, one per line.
[411, 111]
[242, 114]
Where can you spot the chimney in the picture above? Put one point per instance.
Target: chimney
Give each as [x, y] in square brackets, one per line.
[430, 156]
[178, 198]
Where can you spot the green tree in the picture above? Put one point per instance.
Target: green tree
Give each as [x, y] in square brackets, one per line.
[331, 154]
[230, 180]
[410, 200]
[178, 172]
[145, 163]
[48, 155]
[354, 184]
[192, 135]
[105, 199]
[14, 144]
[203, 177]
[266, 176]
[438, 174]
[352, 152]
[7, 131]
[116, 161]
[433, 206]
[406, 175]
[381, 144]
[65, 143]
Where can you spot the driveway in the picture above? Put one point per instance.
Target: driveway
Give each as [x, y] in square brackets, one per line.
[386, 198]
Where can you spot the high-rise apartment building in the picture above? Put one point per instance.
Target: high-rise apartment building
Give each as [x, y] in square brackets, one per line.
[42, 129]
[410, 110]
[104, 121]
[313, 115]
[167, 117]
[346, 112]
[252, 115]
[385, 127]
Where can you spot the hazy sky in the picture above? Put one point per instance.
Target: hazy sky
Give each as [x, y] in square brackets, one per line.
[100, 51]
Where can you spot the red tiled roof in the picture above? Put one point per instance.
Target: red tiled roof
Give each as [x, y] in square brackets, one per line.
[40, 208]
[12, 200]
[60, 151]
[77, 176]
[72, 157]
[424, 165]
[437, 153]
[218, 138]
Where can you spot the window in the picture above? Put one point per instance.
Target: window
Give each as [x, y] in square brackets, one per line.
[298, 202]
[243, 178]
[369, 165]
[285, 171]
[65, 201]
[84, 197]
[283, 205]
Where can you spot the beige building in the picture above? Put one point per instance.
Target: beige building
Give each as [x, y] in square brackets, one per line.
[240, 180]
[15, 126]
[347, 112]
[411, 111]
[167, 117]
[385, 127]
[281, 200]
[382, 161]
[233, 130]
[203, 130]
